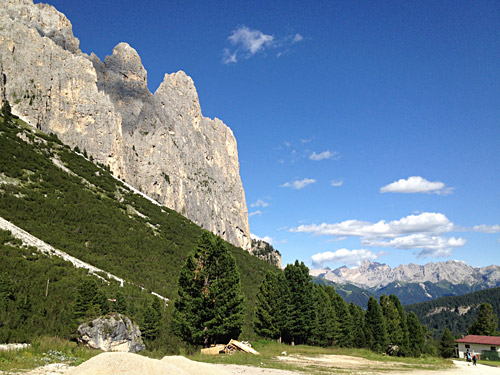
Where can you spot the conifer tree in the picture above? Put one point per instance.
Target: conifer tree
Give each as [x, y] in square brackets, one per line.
[209, 309]
[416, 336]
[6, 290]
[375, 327]
[6, 111]
[323, 329]
[344, 332]
[447, 344]
[150, 322]
[300, 308]
[85, 297]
[102, 300]
[486, 323]
[120, 305]
[358, 326]
[403, 322]
[395, 321]
[271, 307]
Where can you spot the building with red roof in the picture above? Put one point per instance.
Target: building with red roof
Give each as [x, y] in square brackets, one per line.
[485, 346]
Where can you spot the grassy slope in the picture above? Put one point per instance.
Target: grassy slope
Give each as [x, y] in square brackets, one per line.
[92, 216]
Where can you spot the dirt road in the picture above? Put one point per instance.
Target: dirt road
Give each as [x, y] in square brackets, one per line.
[127, 363]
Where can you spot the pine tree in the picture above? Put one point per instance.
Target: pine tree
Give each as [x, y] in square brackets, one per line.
[150, 322]
[447, 344]
[375, 327]
[416, 336]
[486, 323]
[85, 297]
[403, 322]
[358, 326]
[120, 306]
[209, 309]
[102, 300]
[6, 111]
[300, 304]
[344, 332]
[323, 330]
[6, 290]
[395, 321]
[270, 310]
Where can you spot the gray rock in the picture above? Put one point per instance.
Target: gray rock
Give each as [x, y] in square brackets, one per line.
[159, 143]
[265, 251]
[113, 333]
[376, 275]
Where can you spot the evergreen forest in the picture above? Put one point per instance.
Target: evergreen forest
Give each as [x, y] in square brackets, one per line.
[456, 313]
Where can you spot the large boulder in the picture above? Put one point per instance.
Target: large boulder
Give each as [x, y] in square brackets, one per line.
[111, 333]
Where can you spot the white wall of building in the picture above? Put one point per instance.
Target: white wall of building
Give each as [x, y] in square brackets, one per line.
[474, 348]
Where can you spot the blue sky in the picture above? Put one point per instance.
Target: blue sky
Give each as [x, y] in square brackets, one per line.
[366, 130]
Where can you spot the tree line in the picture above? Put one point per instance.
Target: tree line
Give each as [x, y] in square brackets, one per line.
[290, 308]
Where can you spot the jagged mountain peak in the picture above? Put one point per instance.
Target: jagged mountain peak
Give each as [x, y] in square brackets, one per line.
[46, 20]
[160, 144]
[378, 275]
[126, 61]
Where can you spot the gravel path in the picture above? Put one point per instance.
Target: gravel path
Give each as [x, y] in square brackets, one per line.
[128, 364]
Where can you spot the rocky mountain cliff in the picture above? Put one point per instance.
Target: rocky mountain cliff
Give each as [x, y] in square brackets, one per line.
[265, 251]
[375, 276]
[159, 143]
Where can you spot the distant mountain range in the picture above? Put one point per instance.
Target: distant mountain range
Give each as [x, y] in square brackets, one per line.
[412, 283]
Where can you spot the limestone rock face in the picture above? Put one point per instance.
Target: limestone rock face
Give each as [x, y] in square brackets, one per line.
[159, 143]
[115, 333]
[53, 88]
[265, 251]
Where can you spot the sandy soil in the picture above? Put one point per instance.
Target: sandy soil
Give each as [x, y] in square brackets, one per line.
[128, 364]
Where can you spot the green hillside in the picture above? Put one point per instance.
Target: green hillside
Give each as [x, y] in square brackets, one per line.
[456, 313]
[409, 293]
[350, 293]
[67, 201]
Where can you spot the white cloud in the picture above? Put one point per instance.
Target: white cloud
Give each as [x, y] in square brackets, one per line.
[431, 245]
[348, 257]
[229, 57]
[417, 184]
[258, 212]
[423, 231]
[427, 222]
[259, 203]
[246, 42]
[336, 183]
[299, 184]
[487, 228]
[267, 239]
[324, 155]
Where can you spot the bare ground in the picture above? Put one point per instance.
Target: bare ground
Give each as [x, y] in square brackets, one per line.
[127, 363]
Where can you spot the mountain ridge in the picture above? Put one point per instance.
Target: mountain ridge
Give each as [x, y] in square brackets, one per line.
[375, 276]
[160, 142]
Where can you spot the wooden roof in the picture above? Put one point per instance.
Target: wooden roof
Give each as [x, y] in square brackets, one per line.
[475, 339]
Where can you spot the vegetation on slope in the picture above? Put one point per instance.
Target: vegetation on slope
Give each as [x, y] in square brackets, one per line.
[457, 313]
[62, 198]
